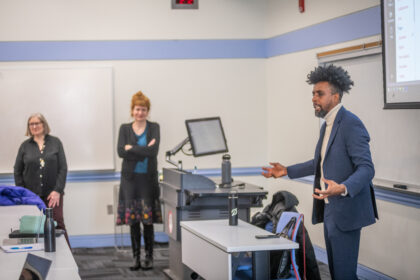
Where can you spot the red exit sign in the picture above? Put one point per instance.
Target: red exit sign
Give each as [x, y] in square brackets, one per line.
[187, 2]
[184, 4]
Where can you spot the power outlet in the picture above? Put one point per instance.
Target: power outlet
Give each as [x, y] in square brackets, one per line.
[110, 209]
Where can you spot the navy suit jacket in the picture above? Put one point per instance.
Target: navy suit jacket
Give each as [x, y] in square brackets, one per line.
[347, 161]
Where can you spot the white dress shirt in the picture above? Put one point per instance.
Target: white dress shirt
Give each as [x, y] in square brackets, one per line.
[329, 120]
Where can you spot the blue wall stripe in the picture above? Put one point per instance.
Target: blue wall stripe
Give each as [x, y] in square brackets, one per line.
[399, 197]
[131, 50]
[104, 176]
[349, 27]
[92, 176]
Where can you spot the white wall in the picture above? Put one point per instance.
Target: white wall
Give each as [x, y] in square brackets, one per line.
[85, 205]
[214, 87]
[85, 208]
[267, 101]
[284, 15]
[233, 89]
[48, 20]
[391, 245]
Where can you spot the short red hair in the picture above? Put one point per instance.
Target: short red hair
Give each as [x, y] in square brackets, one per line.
[139, 99]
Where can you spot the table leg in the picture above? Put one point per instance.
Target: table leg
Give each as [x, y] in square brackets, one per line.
[261, 265]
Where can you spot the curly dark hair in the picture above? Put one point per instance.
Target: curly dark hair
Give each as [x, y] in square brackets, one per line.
[337, 77]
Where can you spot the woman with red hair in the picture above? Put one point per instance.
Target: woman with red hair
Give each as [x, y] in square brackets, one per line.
[138, 145]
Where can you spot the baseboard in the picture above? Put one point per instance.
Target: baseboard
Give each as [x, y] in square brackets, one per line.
[122, 240]
[363, 272]
[320, 254]
[109, 240]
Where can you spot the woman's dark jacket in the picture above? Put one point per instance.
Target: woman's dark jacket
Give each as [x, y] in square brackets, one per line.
[27, 171]
[139, 153]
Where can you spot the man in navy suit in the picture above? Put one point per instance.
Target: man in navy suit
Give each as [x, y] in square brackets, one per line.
[343, 193]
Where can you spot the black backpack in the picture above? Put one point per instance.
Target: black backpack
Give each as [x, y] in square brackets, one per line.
[286, 201]
[281, 201]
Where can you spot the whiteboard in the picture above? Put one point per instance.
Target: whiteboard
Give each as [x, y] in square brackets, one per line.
[395, 134]
[77, 103]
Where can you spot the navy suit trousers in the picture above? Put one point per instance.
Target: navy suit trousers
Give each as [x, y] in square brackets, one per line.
[342, 248]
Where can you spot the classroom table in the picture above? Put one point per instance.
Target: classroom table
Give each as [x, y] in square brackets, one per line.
[63, 265]
[208, 245]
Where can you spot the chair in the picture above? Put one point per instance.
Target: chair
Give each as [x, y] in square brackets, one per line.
[284, 219]
[244, 268]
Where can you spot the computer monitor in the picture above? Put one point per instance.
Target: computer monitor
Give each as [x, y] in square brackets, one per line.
[206, 136]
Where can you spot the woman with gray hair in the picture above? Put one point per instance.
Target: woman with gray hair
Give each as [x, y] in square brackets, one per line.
[41, 166]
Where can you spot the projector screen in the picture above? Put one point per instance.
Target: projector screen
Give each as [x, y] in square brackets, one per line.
[401, 53]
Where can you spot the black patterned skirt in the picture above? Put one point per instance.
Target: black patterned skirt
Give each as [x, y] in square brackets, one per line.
[136, 200]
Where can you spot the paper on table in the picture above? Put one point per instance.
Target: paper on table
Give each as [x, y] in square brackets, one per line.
[14, 245]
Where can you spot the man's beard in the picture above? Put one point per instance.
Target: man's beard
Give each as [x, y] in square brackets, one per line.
[321, 113]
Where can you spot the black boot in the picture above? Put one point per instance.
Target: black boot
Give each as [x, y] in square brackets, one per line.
[135, 234]
[148, 244]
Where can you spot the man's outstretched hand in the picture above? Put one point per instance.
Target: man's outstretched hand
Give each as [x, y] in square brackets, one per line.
[333, 189]
[277, 170]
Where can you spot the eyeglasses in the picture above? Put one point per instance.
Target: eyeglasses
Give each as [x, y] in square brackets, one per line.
[34, 123]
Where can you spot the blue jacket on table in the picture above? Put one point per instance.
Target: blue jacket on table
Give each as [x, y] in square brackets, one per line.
[347, 161]
[11, 195]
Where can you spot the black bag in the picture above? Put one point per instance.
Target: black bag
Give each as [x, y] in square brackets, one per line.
[286, 201]
[280, 260]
